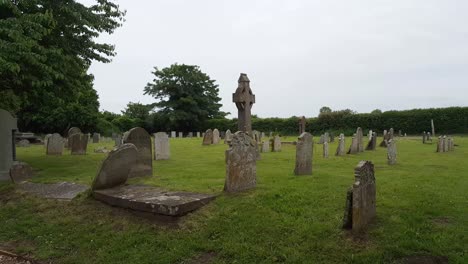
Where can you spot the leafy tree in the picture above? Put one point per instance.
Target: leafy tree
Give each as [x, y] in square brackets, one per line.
[137, 110]
[185, 95]
[325, 109]
[376, 112]
[46, 48]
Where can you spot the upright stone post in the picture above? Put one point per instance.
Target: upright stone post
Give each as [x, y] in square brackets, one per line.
[304, 154]
[8, 126]
[424, 137]
[302, 125]
[433, 128]
[325, 149]
[391, 152]
[161, 146]
[340, 150]
[244, 99]
[360, 141]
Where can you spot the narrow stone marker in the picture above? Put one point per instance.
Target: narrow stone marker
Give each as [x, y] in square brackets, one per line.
[354, 148]
[96, 137]
[78, 144]
[340, 150]
[227, 137]
[325, 149]
[161, 146]
[181, 134]
[265, 146]
[440, 145]
[302, 125]
[304, 151]
[208, 137]
[142, 141]
[360, 142]
[391, 152]
[173, 134]
[241, 166]
[424, 137]
[361, 198]
[216, 137]
[55, 145]
[276, 145]
[372, 142]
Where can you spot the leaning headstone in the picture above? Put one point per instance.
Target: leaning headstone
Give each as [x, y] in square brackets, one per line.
[276, 146]
[142, 141]
[244, 100]
[55, 145]
[20, 172]
[265, 146]
[208, 137]
[325, 149]
[173, 134]
[79, 144]
[361, 198]
[24, 143]
[391, 152]
[161, 146]
[360, 141]
[216, 137]
[241, 168]
[340, 150]
[372, 142]
[353, 149]
[96, 137]
[181, 134]
[8, 126]
[304, 149]
[227, 137]
[116, 168]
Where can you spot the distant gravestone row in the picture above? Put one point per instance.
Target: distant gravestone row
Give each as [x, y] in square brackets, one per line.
[445, 144]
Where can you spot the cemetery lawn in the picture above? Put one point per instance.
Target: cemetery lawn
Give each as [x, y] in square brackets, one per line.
[422, 210]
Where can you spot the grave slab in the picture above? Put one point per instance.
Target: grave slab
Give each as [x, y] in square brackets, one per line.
[60, 191]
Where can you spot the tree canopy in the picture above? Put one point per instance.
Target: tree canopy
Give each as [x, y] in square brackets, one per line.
[46, 48]
[185, 96]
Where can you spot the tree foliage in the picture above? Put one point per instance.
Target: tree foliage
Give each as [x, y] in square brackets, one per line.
[185, 96]
[46, 48]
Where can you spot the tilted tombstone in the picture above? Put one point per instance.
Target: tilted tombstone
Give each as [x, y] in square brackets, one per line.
[353, 149]
[78, 143]
[96, 137]
[340, 150]
[142, 141]
[161, 146]
[227, 137]
[302, 125]
[276, 146]
[8, 126]
[265, 146]
[304, 151]
[216, 137]
[360, 141]
[391, 152]
[116, 168]
[244, 100]
[55, 145]
[372, 142]
[173, 134]
[361, 198]
[325, 149]
[241, 168]
[181, 134]
[385, 139]
[208, 137]
[20, 172]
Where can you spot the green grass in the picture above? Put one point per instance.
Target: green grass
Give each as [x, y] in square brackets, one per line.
[422, 209]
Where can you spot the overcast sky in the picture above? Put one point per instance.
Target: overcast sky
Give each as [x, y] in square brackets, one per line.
[299, 55]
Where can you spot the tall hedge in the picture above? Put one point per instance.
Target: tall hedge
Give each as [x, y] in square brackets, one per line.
[449, 120]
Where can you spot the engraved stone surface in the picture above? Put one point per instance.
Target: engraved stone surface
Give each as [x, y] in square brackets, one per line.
[78, 143]
[340, 150]
[391, 152]
[241, 168]
[161, 146]
[142, 141]
[276, 145]
[244, 100]
[208, 137]
[304, 149]
[216, 137]
[55, 145]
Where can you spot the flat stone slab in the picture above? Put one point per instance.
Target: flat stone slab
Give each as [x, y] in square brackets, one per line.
[60, 191]
[152, 199]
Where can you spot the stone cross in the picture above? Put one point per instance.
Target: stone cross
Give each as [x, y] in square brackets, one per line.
[244, 99]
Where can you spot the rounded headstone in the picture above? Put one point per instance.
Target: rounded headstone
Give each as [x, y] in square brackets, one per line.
[142, 141]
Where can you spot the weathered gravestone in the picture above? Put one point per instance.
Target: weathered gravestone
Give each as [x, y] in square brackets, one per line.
[302, 125]
[190, 135]
[304, 149]
[78, 143]
[227, 137]
[372, 144]
[46, 138]
[181, 134]
[142, 141]
[391, 152]
[276, 144]
[198, 134]
[55, 145]
[161, 146]
[20, 171]
[173, 134]
[325, 149]
[424, 137]
[208, 137]
[265, 146]
[256, 136]
[340, 150]
[445, 143]
[433, 128]
[361, 198]
[96, 137]
[24, 143]
[70, 133]
[118, 140]
[216, 137]
[244, 100]
[241, 168]
[353, 149]
[360, 142]
[440, 145]
[8, 126]
[221, 135]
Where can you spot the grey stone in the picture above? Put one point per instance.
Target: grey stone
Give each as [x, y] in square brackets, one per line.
[424, 137]
[20, 171]
[227, 137]
[79, 144]
[391, 152]
[241, 168]
[353, 149]
[142, 141]
[216, 137]
[445, 143]
[302, 125]
[24, 143]
[244, 100]
[181, 134]
[322, 139]
[372, 144]
[360, 141]
[96, 137]
[59, 191]
[325, 149]
[208, 137]
[265, 146]
[369, 135]
[440, 145]
[304, 152]
[73, 130]
[118, 140]
[198, 134]
[433, 128]
[173, 134]
[190, 135]
[262, 135]
[8, 126]
[361, 198]
[340, 150]
[116, 168]
[55, 145]
[161, 146]
[276, 146]
[101, 150]
[46, 138]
